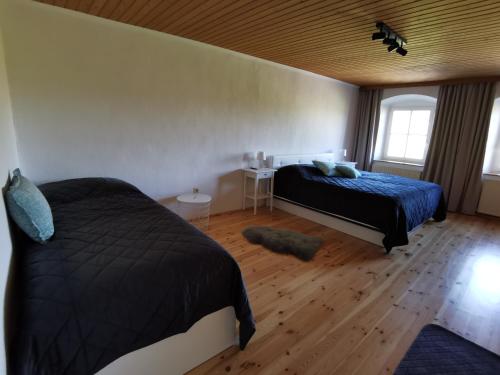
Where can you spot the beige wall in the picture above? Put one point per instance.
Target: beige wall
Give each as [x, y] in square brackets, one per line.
[93, 97]
[8, 161]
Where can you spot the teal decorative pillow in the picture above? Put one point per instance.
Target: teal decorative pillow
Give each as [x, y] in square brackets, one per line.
[29, 209]
[348, 171]
[328, 168]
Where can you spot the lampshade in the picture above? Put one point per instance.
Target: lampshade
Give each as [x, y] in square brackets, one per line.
[249, 156]
[261, 155]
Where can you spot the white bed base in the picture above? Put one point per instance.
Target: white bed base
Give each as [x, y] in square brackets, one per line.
[343, 225]
[180, 353]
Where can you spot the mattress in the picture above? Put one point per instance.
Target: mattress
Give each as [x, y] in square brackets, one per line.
[120, 273]
[393, 205]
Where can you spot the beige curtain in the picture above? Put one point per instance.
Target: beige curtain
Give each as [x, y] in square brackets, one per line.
[367, 118]
[456, 153]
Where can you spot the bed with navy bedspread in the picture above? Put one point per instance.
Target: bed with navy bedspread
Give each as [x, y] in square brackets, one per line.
[121, 272]
[391, 204]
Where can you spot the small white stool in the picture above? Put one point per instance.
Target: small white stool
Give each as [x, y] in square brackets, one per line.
[199, 208]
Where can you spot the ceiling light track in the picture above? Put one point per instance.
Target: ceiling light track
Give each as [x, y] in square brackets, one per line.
[389, 37]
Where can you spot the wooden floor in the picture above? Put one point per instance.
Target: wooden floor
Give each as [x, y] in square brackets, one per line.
[353, 309]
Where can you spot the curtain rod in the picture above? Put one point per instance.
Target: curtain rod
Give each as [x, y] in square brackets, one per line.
[434, 83]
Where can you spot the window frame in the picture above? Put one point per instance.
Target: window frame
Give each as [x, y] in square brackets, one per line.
[387, 133]
[493, 142]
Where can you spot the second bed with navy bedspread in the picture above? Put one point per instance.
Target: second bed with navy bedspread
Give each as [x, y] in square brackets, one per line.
[392, 204]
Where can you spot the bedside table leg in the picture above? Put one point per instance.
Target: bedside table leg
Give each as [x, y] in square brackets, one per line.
[255, 192]
[208, 216]
[271, 195]
[244, 191]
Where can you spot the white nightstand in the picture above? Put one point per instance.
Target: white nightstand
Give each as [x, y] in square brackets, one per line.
[348, 163]
[198, 207]
[257, 194]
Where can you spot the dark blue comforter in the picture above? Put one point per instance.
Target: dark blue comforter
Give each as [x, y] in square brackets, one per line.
[120, 273]
[392, 204]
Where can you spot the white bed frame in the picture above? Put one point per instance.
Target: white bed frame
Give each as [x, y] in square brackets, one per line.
[353, 228]
[356, 230]
[180, 353]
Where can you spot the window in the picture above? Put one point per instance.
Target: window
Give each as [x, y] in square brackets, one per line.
[405, 128]
[492, 155]
[408, 134]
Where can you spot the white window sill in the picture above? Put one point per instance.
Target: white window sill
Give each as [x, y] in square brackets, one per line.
[491, 176]
[401, 164]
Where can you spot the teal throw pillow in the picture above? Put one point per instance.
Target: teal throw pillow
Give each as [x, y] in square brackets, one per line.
[327, 167]
[29, 209]
[348, 171]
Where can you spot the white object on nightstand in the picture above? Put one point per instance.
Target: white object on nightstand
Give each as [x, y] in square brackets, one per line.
[348, 163]
[266, 174]
[200, 203]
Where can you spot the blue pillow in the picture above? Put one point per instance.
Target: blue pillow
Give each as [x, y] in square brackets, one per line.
[29, 209]
[348, 171]
[328, 168]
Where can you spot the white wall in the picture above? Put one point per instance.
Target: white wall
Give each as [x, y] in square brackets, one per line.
[417, 90]
[8, 161]
[92, 97]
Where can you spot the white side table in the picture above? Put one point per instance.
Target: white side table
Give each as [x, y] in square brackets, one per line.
[198, 206]
[257, 175]
[348, 163]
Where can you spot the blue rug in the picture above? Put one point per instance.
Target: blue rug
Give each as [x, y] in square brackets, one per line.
[438, 351]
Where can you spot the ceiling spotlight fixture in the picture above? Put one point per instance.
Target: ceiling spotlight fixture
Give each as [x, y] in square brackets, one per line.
[378, 35]
[392, 47]
[390, 38]
[401, 51]
[381, 32]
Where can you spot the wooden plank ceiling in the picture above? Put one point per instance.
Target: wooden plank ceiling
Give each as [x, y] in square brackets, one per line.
[448, 39]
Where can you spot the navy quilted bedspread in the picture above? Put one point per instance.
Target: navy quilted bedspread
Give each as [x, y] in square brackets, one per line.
[392, 204]
[120, 273]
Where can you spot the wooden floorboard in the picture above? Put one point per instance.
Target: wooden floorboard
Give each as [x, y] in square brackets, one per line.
[354, 309]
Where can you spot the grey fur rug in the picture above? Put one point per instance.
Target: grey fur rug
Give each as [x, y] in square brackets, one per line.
[284, 241]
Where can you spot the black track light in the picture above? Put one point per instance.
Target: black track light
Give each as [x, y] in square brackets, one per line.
[390, 38]
[378, 35]
[395, 44]
[401, 51]
[390, 41]
[392, 47]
